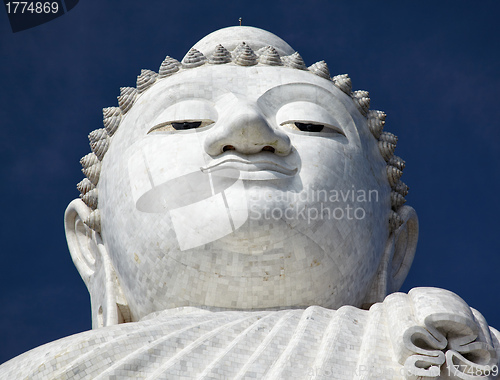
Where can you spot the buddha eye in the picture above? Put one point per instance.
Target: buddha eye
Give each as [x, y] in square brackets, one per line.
[186, 125]
[309, 127]
[312, 127]
[181, 125]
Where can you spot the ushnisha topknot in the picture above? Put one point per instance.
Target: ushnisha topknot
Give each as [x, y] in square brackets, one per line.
[168, 67]
[126, 98]
[145, 80]
[241, 53]
[321, 69]
[245, 56]
[111, 117]
[220, 56]
[269, 56]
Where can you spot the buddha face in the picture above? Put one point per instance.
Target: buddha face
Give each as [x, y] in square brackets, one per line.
[243, 188]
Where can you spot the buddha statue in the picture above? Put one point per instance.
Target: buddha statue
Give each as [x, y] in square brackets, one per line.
[243, 217]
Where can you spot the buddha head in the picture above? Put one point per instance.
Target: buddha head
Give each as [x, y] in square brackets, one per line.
[240, 179]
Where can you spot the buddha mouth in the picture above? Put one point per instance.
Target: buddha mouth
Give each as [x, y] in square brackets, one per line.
[258, 166]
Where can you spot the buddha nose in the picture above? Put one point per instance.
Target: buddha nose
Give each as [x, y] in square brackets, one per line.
[244, 128]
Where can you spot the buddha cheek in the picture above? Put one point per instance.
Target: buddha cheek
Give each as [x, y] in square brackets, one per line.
[341, 196]
[164, 172]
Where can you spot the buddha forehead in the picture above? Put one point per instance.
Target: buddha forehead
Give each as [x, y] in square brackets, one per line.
[278, 94]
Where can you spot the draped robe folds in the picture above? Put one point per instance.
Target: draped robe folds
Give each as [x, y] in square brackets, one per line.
[428, 333]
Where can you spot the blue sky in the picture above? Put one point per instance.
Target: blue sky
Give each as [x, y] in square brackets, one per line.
[432, 66]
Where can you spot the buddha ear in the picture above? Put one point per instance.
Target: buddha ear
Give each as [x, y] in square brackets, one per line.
[396, 259]
[91, 258]
[404, 243]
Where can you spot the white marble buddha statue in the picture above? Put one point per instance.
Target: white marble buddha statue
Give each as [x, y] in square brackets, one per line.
[243, 217]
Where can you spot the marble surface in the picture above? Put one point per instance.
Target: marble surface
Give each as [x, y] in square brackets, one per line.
[246, 204]
[180, 233]
[429, 333]
[240, 191]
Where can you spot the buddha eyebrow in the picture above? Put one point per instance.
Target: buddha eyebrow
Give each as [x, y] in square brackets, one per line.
[308, 92]
[193, 90]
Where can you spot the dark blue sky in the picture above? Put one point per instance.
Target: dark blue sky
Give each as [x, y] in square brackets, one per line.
[434, 67]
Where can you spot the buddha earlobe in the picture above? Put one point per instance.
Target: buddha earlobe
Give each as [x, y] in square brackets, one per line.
[78, 236]
[397, 257]
[90, 257]
[405, 246]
